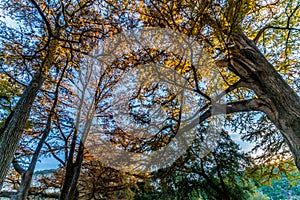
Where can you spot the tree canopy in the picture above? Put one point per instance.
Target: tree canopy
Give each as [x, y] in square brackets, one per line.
[141, 99]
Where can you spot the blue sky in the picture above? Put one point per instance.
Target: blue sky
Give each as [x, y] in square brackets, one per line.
[52, 163]
[47, 163]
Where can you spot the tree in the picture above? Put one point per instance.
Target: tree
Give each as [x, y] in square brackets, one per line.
[8, 92]
[28, 173]
[218, 175]
[100, 182]
[256, 59]
[225, 27]
[61, 33]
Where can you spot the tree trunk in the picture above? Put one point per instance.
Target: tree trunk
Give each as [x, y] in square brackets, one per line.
[27, 175]
[281, 102]
[13, 132]
[69, 190]
[14, 129]
[24, 186]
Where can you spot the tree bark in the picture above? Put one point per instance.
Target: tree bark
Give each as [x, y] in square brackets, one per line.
[69, 190]
[27, 175]
[282, 104]
[13, 132]
[14, 129]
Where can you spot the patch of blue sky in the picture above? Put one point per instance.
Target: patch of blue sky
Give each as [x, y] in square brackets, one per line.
[47, 163]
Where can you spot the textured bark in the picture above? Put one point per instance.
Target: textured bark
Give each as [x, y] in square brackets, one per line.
[27, 175]
[281, 102]
[14, 129]
[4, 126]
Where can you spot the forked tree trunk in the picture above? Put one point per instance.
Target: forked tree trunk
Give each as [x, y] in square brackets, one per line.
[281, 102]
[69, 190]
[27, 174]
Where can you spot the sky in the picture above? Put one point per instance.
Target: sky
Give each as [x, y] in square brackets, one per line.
[52, 163]
[47, 163]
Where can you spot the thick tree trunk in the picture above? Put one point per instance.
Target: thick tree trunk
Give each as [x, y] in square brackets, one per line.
[27, 175]
[14, 129]
[281, 102]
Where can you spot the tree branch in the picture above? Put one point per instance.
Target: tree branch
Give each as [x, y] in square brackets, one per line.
[43, 17]
[233, 107]
[238, 84]
[255, 40]
[258, 104]
[54, 155]
[18, 167]
[282, 28]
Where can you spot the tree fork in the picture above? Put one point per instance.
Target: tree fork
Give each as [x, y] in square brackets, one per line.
[267, 83]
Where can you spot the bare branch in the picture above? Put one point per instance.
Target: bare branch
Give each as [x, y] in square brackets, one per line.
[234, 107]
[18, 167]
[54, 155]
